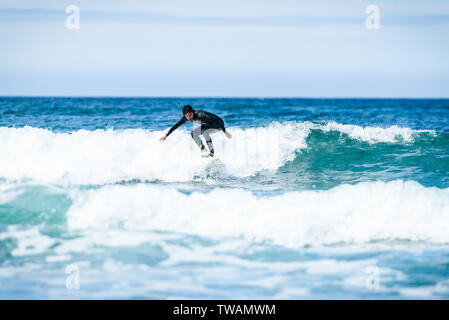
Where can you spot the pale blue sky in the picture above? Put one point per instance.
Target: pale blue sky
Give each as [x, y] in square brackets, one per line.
[225, 48]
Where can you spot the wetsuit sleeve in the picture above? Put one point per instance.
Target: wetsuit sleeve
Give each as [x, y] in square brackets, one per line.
[222, 126]
[218, 122]
[177, 124]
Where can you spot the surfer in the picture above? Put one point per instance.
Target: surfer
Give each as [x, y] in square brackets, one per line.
[209, 124]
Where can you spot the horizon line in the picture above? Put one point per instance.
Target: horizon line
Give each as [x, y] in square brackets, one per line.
[222, 97]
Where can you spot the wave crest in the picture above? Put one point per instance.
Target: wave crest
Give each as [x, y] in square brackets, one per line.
[359, 213]
[108, 156]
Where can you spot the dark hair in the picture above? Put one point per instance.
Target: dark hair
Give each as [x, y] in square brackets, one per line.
[187, 108]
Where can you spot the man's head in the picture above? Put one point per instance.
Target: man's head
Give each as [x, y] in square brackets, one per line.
[188, 112]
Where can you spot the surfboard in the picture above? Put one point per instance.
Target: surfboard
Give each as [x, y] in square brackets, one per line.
[194, 149]
[214, 167]
[216, 161]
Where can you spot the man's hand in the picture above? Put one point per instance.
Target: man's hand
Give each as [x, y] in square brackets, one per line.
[228, 134]
[163, 138]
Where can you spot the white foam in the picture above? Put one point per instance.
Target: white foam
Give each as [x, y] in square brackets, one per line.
[97, 157]
[108, 156]
[373, 134]
[58, 258]
[8, 192]
[349, 213]
[30, 241]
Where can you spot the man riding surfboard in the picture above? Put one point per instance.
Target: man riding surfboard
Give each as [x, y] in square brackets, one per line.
[209, 123]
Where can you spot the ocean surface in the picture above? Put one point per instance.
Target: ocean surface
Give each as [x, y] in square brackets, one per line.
[310, 199]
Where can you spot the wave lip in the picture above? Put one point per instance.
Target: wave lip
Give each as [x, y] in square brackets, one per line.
[359, 213]
[373, 134]
[107, 156]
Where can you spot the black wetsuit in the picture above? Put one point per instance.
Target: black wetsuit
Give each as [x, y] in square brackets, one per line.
[209, 122]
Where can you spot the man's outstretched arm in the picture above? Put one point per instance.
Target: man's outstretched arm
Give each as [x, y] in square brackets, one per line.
[216, 120]
[176, 125]
[222, 127]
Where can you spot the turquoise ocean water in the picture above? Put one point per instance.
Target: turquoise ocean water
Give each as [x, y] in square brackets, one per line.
[311, 198]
